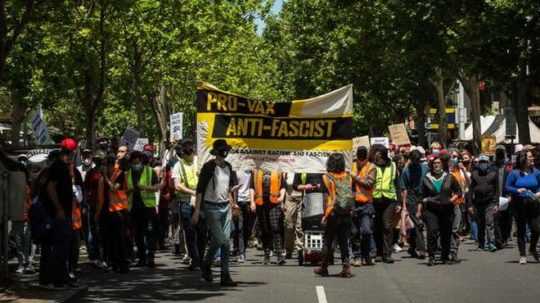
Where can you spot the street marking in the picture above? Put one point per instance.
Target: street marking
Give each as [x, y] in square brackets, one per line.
[321, 295]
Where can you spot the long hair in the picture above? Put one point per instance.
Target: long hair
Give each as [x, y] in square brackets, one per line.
[335, 163]
[521, 160]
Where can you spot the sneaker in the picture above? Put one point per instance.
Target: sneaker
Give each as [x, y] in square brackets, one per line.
[228, 282]
[241, 258]
[523, 260]
[186, 260]
[397, 248]
[431, 261]
[72, 276]
[492, 248]
[388, 260]
[206, 273]
[266, 260]
[321, 271]
[369, 261]
[281, 262]
[356, 262]
[29, 269]
[20, 269]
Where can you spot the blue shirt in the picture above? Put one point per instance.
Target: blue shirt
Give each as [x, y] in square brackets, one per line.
[517, 179]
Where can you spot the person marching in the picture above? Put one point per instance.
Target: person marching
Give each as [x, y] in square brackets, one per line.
[217, 182]
[385, 202]
[267, 197]
[337, 219]
[484, 200]
[411, 193]
[142, 184]
[115, 189]
[439, 191]
[523, 184]
[185, 180]
[364, 173]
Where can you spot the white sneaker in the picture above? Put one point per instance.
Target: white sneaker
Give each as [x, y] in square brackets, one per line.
[241, 258]
[20, 269]
[523, 260]
[397, 248]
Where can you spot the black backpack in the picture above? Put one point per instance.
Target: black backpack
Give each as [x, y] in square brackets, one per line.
[485, 187]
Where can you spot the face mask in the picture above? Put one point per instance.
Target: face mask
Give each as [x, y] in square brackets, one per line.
[136, 167]
[223, 153]
[454, 161]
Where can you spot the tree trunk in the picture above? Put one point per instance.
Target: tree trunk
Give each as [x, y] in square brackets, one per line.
[161, 112]
[438, 85]
[470, 84]
[18, 113]
[90, 128]
[521, 109]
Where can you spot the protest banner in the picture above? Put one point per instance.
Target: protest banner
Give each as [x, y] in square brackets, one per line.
[295, 136]
[129, 138]
[140, 143]
[489, 145]
[176, 122]
[399, 135]
[380, 140]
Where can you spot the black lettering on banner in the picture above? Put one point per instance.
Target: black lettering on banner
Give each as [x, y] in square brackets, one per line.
[216, 102]
[230, 126]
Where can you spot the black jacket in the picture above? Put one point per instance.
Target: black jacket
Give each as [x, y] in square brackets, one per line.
[207, 174]
[432, 197]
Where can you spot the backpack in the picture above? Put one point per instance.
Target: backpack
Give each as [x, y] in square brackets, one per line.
[485, 188]
[344, 195]
[40, 221]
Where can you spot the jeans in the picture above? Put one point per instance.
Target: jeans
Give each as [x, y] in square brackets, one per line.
[363, 222]
[456, 228]
[55, 254]
[485, 216]
[195, 235]
[385, 213]
[218, 220]
[336, 226]
[146, 224]
[439, 219]
[23, 241]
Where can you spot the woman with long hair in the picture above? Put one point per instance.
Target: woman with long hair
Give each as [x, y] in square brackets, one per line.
[523, 184]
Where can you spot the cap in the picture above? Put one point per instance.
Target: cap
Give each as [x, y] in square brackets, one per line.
[483, 158]
[68, 144]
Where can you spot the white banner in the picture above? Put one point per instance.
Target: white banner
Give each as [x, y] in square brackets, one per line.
[39, 127]
[176, 124]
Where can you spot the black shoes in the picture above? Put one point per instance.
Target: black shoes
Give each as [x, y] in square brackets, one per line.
[431, 261]
[388, 260]
[228, 282]
[206, 273]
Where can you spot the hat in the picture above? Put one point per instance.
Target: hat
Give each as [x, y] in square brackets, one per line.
[220, 145]
[483, 158]
[68, 144]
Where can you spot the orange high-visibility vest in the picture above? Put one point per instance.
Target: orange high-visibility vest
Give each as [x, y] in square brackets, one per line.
[118, 198]
[76, 216]
[275, 186]
[362, 194]
[460, 178]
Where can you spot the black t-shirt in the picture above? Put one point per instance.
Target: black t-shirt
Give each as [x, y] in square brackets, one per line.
[58, 173]
[313, 179]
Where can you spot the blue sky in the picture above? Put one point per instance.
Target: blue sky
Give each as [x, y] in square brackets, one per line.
[276, 8]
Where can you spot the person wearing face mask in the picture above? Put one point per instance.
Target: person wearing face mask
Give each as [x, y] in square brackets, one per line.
[484, 198]
[411, 193]
[185, 181]
[215, 189]
[523, 184]
[457, 170]
[503, 217]
[87, 163]
[439, 191]
[363, 175]
[385, 202]
[142, 184]
[177, 232]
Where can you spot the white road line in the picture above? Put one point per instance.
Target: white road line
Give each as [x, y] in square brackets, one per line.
[321, 295]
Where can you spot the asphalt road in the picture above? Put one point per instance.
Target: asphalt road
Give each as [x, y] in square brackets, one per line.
[480, 277]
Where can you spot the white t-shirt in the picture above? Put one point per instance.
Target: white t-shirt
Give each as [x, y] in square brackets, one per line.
[217, 190]
[244, 180]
